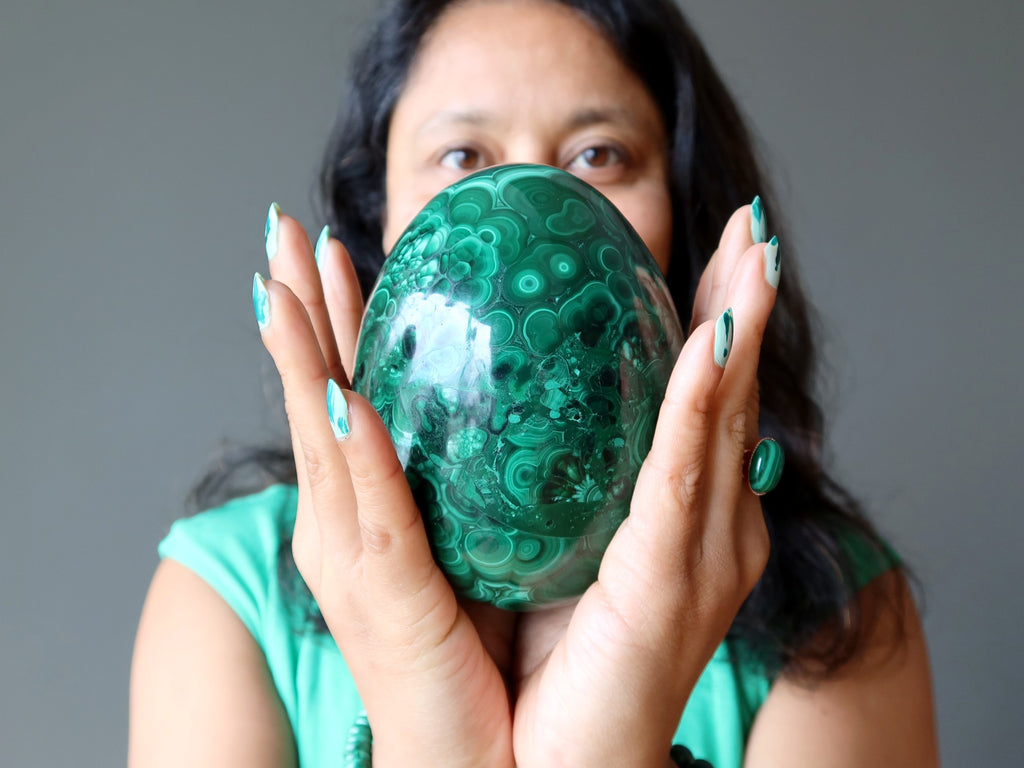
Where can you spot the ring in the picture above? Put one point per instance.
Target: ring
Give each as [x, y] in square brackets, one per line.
[762, 466]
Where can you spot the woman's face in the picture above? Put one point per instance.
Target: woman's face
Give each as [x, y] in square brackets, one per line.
[527, 81]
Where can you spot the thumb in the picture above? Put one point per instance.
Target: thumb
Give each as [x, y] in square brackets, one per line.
[395, 551]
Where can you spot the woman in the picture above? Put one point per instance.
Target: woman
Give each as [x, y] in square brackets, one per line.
[781, 626]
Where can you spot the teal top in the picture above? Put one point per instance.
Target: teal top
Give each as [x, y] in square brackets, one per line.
[235, 548]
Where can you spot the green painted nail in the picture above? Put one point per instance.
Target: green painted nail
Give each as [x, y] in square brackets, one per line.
[772, 262]
[321, 247]
[723, 338]
[337, 410]
[260, 301]
[270, 231]
[758, 221]
[766, 463]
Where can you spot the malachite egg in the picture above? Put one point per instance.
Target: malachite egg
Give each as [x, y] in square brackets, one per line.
[517, 345]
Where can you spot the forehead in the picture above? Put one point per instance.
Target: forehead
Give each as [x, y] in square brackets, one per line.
[491, 54]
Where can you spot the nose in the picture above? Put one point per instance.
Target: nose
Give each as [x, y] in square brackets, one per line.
[530, 149]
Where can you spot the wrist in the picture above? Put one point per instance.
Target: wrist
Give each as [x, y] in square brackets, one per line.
[403, 741]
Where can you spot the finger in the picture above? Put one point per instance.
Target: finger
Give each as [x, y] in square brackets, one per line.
[397, 560]
[771, 260]
[667, 517]
[305, 538]
[752, 297]
[344, 299]
[305, 544]
[498, 629]
[700, 312]
[292, 262]
[289, 338]
[666, 500]
[751, 293]
[735, 240]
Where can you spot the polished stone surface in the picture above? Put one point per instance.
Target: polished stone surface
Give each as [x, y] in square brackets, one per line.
[766, 463]
[517, 345]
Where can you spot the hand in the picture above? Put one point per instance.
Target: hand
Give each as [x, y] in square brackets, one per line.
[605, 681]
[433, 686]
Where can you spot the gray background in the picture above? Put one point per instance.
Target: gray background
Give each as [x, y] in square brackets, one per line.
[141, 142]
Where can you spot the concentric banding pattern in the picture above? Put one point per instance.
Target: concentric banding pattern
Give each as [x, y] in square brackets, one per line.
[517, 346]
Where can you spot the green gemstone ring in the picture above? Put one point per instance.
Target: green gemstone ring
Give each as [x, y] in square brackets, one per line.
[763, 466]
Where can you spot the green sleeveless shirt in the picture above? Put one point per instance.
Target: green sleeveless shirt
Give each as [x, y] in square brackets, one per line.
[235, 549]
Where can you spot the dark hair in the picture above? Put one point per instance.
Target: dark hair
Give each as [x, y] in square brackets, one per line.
[818, 532]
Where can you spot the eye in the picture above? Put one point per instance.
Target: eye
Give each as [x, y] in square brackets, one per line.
[463, 159]
[598, 156]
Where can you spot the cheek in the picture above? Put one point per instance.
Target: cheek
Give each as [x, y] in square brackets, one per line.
[399, 210]
[652, 219]
[406, 193]
[393, 213]
[403, 192]
[659, 240]
[391, 231]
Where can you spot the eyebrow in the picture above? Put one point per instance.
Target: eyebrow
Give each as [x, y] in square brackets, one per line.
[597, 115]
[457, 117]
[580, 119]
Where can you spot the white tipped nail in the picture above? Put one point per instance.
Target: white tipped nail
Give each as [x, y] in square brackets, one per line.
[337, 410]
[772, 262]
[270, 231]
[321, 247]
[723, 338]
[260, 301]
[758, 221]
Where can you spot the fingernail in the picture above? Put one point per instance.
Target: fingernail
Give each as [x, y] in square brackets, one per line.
[260, 301]
[270, 232]
[772, 262]
[758, 222]
[337, 410]
[321, 247]
[723, 338]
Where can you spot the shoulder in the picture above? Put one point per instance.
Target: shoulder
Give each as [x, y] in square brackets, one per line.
[876, 709]
[866, 556]
[258, 522]
[236, 549]
[227, 669]
[202, 693]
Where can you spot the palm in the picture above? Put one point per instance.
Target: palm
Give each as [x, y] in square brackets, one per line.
[492, 633]
[556, 668]
[616, 668]
[575, 665]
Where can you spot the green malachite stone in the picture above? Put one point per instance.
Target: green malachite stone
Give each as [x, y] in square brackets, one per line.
[517, 345]
[766, 464]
